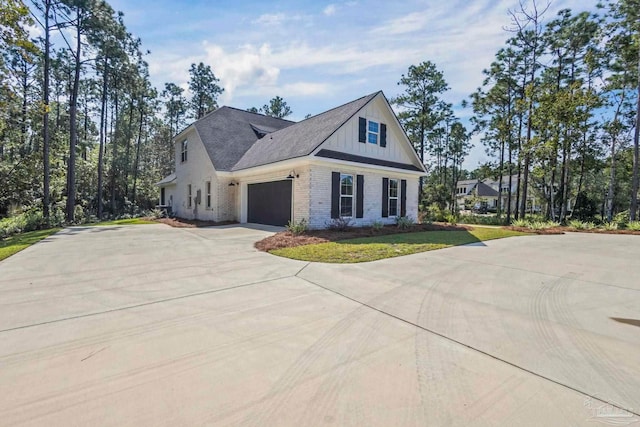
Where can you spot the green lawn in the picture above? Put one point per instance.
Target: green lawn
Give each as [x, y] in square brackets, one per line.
[14, 244]
[130, 221]
[373, 248]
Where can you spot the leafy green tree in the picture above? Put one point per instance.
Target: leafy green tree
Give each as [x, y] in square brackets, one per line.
[624, 45]
[204, 88]
[420, 103]
[277, 107]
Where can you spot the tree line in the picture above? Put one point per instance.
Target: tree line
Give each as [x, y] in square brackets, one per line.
[558, 112]
[83, 132]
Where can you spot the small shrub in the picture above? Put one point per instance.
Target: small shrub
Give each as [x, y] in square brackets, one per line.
[404, 222]
[581, 225]
[451, 218]
[339, 224]
[481, 219]
[156, 213]
[377, 225]
[610, 226]
[520, 223]
[297, 227]
[633, 225]
[425, 217]
[621, 218]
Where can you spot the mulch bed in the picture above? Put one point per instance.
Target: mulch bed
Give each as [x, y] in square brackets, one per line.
[599, 231]
[286, 239]
[554, 230]
[562, 230]
[191, 223]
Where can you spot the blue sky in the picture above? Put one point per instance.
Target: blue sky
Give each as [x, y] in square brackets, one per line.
[320, 54]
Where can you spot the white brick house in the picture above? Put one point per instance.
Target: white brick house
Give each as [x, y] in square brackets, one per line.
[353, 161]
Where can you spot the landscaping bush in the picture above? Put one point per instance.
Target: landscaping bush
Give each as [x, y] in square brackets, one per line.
[451, 218]
[581, 225]
[610, 226]
[480, 219]
[520, 223]
[377, 225]
[156, 213]
[297, 227]
[27, 221]
[339, 224]
[404, 222]
[621, 219]
[633, 225]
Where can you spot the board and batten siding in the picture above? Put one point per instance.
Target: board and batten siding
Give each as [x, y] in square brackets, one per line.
[345, 139]
[320, 189]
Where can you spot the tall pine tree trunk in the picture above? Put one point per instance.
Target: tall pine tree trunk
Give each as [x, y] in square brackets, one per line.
[46, 184]
[636, 152]
[73, 125]
[103, 135]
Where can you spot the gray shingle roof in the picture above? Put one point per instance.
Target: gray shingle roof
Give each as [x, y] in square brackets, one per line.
[301, 138]
[485, 191]
[227, 133]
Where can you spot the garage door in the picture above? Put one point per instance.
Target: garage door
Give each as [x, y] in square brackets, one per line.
[269, 202]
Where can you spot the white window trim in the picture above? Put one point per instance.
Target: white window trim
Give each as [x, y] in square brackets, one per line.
[396, 197]
[377, 134]
[189, 202]
[207, 187]
[353, 192]
[184, 151]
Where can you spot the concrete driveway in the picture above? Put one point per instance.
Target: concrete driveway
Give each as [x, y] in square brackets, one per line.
[152, 325]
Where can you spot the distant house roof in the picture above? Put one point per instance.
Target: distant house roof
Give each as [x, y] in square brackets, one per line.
[300, 139]
[228, 133]
[473, 185]
[483, 190]
[169, 179]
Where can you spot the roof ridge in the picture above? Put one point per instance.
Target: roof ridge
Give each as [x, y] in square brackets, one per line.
[256, 113]
[340, 106]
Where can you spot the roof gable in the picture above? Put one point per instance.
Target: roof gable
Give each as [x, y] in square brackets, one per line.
[397, 150]
[300, 139]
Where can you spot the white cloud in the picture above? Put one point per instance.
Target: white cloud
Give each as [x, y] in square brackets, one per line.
[270, 19]
[405, 24]
[278, 19]
[330, 10]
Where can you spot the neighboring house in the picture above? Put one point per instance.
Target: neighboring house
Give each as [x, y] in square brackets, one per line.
[473, 191]
[353, 161]
[487, 191]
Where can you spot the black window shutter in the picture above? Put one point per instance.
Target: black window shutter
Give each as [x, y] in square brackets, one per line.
[383, 135]
[335, 194]
[385, 197]
[362, 132]
[359, 196]
[403, 197]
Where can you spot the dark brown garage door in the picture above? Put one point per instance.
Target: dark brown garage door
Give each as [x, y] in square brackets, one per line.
[269, 202]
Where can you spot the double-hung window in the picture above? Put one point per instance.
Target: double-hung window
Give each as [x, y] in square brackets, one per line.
[373, 131]
[208, 188]
[346, 195]
[189, 195]
[393, 197]
[183, 152]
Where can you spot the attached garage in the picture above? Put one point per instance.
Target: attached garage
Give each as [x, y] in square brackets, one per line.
[269, 202]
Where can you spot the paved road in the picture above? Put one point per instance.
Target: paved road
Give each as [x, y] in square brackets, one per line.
[151, 325]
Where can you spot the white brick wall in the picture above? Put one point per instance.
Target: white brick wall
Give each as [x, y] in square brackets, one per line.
[320, 207]
[197, 170]
[300, 190]
[311, 190]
